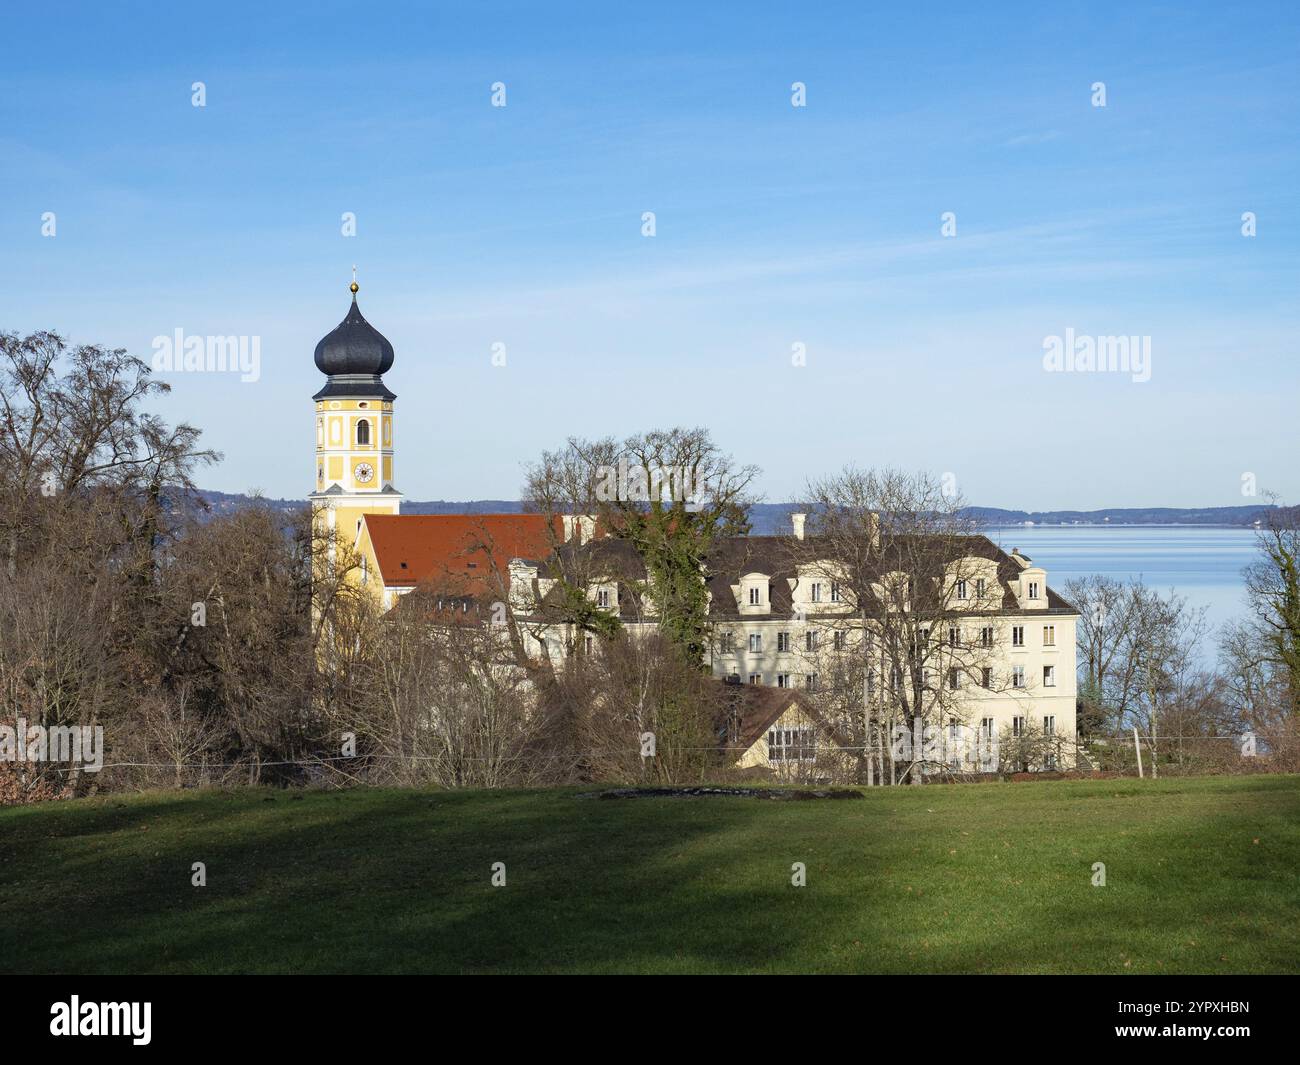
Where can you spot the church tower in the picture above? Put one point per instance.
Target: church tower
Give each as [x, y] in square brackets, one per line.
[354, 427]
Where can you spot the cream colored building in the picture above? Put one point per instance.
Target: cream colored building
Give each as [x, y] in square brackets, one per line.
[1001, 669]
[1003, 664]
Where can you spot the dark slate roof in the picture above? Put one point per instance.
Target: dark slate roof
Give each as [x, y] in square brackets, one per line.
[352, 386]
[778, 557]
[747, 711]
[354, 347]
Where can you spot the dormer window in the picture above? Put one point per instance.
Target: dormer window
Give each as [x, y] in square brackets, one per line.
[1033, 589]
[363, 433]
[755, 596]
[816, 593]
[961, 590]
[602, 598]
[835, 591]
[980, 585]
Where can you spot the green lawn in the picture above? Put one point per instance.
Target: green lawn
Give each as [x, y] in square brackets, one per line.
[1202, 877]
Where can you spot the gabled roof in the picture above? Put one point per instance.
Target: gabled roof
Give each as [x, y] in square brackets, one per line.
[779, 557]
[749, 710]
[461, 552]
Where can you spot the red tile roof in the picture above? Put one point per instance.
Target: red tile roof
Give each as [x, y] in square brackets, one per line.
[459, 551]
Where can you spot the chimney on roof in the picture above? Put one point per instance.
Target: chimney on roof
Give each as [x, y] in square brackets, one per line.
[578, 526]
[797, 520]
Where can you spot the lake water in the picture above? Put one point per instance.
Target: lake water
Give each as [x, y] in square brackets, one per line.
[1203, 563]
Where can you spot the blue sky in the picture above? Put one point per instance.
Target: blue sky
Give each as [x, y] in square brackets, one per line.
[775, 226]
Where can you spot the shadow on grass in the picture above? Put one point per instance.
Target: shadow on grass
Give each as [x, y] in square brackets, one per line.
[948, 880]
[395, 881]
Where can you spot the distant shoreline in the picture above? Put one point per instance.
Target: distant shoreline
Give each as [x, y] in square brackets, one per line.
[771, 518]
[1118, 525]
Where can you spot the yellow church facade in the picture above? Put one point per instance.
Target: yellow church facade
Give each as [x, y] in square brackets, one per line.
[354, 434]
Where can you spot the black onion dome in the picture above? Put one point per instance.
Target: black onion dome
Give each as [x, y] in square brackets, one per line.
[354, 347]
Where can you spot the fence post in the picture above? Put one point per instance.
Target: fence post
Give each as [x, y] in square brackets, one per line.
[1138, 748]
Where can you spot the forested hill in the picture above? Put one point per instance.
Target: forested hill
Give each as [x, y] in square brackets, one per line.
[772, 517]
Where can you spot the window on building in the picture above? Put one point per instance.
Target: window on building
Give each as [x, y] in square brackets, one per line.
[1017, 636]
[810, 681]
[954, 636]
[961, 589]
[986, 636]
[1049, 676]
[841, 640]
[954, 679]
[1017, 726]
[1049, 635]
[792, 745]
[756, 596]
[727, 642]
[1017, 676]
[602, 597]
[835, 591]
[810, 640]
[755, 642]
[756, 678]
[816, 591]
[783, 641]
[1033, 589]
[986, 677]
[783, 680]
[363, 433]
[980, 587]
[1049, 725]
[986, 728]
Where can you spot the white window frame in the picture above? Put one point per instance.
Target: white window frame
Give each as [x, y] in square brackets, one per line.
[792, 745]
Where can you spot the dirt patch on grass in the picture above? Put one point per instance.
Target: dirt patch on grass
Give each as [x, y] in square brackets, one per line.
[779, 794]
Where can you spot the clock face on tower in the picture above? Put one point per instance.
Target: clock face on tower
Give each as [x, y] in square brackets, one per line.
[363, 472]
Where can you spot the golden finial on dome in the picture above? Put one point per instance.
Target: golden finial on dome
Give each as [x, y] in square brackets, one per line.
[354, 286]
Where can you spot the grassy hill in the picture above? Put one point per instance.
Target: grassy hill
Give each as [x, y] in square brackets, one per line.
[1203, 876]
